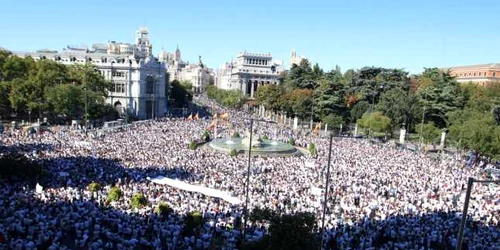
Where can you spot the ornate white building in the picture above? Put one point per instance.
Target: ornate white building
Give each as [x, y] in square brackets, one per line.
[197, 74]
[138, 78]
[295, 59]
[248, 72]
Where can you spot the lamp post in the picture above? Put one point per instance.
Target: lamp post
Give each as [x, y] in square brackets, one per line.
[249, 163]
[470, 182]
[327, 184]
[247, 188]
[422, 127]
[312, 103]
[86, 99]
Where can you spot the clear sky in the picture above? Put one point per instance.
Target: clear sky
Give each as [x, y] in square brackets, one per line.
[351, 33]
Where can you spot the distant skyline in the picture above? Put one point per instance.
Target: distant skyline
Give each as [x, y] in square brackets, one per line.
[352, 34]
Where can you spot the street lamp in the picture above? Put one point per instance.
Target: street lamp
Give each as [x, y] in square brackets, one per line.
[470, 182]
[249, 163]
[312, 103]
[327, 184]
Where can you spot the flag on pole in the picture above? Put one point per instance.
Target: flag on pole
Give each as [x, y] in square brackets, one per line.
[215, 116]
[190, 117]
[196, 117]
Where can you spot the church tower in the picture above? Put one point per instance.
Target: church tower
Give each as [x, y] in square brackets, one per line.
[177, 54]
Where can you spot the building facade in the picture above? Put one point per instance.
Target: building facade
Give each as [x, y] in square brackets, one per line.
[138, 78]
[195, 73]
[482, 74]
[295, 59]
[248, 72]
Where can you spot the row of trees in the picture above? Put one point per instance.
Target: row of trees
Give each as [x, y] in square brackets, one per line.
[46, 88]
[227, 98]
[384, 100]
[181, 93]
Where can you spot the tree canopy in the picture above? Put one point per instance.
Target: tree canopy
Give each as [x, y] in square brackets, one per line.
[47, 88]
[386, 99]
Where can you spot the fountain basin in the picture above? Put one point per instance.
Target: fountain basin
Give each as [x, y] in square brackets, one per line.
[267, 147]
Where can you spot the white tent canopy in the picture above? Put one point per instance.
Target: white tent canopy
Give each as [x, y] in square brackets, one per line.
[193, 188]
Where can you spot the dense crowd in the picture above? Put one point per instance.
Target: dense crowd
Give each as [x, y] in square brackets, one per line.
[381, 197]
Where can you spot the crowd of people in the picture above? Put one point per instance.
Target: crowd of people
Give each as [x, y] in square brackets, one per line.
[380, 197]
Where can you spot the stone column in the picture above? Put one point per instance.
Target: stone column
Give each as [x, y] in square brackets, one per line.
[284, 119]
[326, 127]
[252, 89]
[402, 135]
[295, 123]
[443, 139]
[356, 130]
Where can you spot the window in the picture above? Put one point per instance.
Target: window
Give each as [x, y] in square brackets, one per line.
[118, 74]
[119, 87]
[494, 74]
[150, 81]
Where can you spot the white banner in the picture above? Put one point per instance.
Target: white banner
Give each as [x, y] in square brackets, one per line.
[192, 188]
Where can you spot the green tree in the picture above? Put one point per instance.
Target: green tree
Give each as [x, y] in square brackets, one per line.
[187, 85]
[333, 121]
[401, 106]
[14, 67]
[375, 121]
[287, 231]
[291, 141]
[181, 94]
[193, 145]
[358, 110]
[5, 105]
[233, 153]
[299, 102]
[227, 98]
[138, 201]
[370, 82]
[193, 222]
[67, 99]
[269, 96]
[429, 132]
[114, 194]
[312, 149]
[94, 187]
[476, 131]
[299, 76]
[439, 94]
[163, 209]
[330, 95]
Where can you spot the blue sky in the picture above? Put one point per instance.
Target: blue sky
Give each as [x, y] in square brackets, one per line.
[352, 34]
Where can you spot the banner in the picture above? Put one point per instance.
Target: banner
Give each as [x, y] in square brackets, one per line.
[193, 188]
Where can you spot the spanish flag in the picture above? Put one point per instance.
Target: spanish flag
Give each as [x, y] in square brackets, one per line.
[215, 116]
[190, 117]
[196, 117]
[224, 116]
